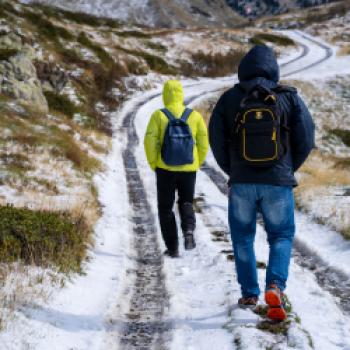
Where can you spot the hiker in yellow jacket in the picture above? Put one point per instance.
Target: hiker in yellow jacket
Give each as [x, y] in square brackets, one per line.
[176, 144]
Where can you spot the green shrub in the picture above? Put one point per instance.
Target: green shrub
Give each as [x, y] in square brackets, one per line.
[344, 135]
[101, 53]
[263, 38]
[5, 9]
[70, 56]
[42, 238]
[155, 63]
[156, 46]
[133, 33]
[46, 28]
[60, 103]
[6, 54]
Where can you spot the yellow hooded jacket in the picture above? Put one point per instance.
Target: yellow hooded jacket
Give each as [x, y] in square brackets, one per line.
[173, 98]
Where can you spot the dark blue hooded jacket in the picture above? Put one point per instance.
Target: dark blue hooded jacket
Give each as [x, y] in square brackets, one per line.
[259, 66]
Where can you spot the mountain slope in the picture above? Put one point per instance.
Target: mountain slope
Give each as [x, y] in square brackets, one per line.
[157, 13]
[254, 8]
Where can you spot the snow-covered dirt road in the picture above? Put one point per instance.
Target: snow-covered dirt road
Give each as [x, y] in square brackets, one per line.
[132, 298]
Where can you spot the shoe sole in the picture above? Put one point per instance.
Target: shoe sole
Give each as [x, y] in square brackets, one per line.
[247, 307]
[277, 314]
[276, 311]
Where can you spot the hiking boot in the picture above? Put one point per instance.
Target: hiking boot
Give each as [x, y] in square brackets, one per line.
[248, 302]
[274, 299]
[172, 253]
[189, 240]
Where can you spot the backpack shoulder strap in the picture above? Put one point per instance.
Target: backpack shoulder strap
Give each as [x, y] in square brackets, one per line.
[168, 114]
[186, 114]
[285, 88]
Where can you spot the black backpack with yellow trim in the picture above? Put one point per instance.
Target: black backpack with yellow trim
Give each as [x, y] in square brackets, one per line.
[260, 128]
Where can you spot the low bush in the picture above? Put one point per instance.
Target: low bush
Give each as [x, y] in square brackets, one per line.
[42, 238]
[101, 53]
[6, 54]
[157, 46]
[60, 103]
[212, 64]
[155, 63]
[133, 33]
[6, 9]
[263, 38]
[46, 28]
[343, 134]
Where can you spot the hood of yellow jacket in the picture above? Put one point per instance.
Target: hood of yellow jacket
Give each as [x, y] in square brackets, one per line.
[173, 94]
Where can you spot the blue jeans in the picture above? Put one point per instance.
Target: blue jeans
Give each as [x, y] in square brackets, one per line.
[276, 204]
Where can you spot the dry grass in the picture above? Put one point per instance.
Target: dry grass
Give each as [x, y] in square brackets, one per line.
[205, 107]
[322, 171]
[22, 285]
[320, 177]
[344, 51]
[212, 64]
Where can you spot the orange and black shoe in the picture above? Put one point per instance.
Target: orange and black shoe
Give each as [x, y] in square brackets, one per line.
[248, 302]
[274, 299]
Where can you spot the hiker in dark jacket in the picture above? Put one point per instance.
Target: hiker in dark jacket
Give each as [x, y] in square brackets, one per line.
[265, 189]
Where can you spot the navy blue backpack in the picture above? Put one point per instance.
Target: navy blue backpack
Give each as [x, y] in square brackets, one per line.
[178, 143]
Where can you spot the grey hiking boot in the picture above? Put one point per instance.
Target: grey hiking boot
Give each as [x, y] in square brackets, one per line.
[190, 243]
[248, 302]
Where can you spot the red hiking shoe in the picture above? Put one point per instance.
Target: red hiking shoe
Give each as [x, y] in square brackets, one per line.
[274, 299]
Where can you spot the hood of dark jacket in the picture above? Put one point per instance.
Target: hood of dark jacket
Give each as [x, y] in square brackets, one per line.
[259, 62]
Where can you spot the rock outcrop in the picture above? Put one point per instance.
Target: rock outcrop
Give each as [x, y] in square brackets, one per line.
[18, 77]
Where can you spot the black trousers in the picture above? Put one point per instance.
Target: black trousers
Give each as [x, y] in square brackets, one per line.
[168, 182]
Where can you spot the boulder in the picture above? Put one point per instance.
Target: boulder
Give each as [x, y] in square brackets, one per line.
[18, 77]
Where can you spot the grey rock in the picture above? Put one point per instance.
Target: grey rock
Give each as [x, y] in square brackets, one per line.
[18, 77]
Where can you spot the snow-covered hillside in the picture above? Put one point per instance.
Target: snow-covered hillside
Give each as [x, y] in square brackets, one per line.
[157, 13]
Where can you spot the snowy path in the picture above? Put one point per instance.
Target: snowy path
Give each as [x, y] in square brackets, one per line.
[335, 336]
[116, 300]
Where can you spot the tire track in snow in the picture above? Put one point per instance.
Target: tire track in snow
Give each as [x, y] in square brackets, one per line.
[328, 54]
[305, 51]
[145, 327]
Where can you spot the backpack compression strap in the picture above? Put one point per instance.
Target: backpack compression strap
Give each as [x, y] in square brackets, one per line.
[184, 116]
